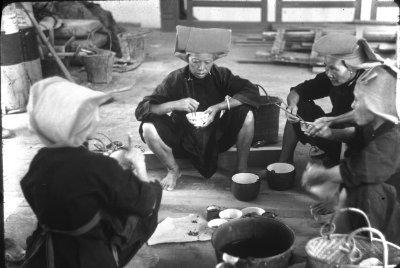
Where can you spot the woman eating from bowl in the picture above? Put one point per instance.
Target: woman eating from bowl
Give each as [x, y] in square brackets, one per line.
[227, 101]
[371, 159]
[91, 212]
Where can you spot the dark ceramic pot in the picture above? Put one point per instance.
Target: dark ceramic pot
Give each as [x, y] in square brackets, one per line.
[245, 186]
[280, 176]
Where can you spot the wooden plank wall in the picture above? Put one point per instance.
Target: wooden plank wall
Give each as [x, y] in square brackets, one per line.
[262, 5]
[281, 4]
[375, 4]
[170, 11]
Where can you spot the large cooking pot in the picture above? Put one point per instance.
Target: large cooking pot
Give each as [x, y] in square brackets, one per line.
[254, 242]
[280, 176]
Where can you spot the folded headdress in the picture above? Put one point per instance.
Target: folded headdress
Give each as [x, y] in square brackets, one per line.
[63, 114]
[197, 40]
[355, 52]
[377, 87]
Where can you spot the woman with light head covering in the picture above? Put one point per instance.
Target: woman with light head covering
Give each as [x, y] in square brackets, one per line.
[91, 212]
[372, 157]
[227, 100]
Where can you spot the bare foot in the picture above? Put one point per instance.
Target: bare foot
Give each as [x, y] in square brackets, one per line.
[169, 182]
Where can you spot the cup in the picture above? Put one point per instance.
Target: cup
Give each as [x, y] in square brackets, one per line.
[212, 212]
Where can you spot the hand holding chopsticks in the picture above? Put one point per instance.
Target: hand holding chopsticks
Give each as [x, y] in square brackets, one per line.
[291, 113]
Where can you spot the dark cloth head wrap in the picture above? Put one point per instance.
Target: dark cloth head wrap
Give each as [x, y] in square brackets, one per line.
[196, 40]
[356, 53]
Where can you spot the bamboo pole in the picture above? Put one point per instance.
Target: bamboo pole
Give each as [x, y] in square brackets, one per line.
[49, 46]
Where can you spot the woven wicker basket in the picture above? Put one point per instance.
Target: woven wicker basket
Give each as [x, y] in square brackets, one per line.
[266, 126]
[348, 250]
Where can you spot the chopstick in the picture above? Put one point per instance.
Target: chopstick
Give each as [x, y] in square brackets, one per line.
[301, 119]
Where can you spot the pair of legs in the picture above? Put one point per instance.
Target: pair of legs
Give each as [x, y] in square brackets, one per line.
[165, 153]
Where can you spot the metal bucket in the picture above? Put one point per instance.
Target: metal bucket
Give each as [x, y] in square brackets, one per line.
[99, 66]
[254, 242]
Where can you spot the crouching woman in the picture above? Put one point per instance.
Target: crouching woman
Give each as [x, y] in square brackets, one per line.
[371, 159]
[91, 211]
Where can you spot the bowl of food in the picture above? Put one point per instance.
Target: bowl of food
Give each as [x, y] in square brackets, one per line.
[230, 214]
[197, 119]
[215, 223]
[252, 211]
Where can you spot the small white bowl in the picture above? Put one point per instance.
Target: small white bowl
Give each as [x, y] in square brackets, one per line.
[253, 210]
[230, 214]
[215, 223]
[305, 126]
[197, 119]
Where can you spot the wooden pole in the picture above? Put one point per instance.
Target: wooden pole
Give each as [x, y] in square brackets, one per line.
[49, 46]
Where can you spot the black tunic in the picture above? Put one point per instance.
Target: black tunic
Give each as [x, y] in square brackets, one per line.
[370, 161]
[67, 186]
[341, 98]
[200, 145]
[320, 87]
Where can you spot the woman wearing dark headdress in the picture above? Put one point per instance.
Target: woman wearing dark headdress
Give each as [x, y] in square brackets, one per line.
[336, 82]
[199, 86]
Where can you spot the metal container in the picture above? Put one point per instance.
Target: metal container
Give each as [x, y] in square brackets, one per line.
[280, 176]
[245, 186]
[254, 242]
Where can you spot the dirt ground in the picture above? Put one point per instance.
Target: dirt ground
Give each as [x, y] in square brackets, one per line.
[118, 117]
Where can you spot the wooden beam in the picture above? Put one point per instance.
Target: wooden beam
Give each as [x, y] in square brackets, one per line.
[279, 42]
[314, 54]
[375, 4]
[264, 11]
[189, 10]
[234, 25]
[374, 8]
[357, 10]
[278, 11]
[318, 4]
[243, 4]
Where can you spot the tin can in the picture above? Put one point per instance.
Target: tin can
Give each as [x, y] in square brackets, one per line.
[212, 212]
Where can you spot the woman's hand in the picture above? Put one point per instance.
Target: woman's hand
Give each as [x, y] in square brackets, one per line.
[321, 132]
[320, 181]
[320, 128]
[291, 112]
[136, 157]
[186, 105]
[212, 112]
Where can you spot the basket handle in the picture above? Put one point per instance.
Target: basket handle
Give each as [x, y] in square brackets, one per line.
[351, 240]
[263, 89]
[332, 226]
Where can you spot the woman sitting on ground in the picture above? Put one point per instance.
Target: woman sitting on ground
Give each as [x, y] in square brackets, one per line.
[91, 211]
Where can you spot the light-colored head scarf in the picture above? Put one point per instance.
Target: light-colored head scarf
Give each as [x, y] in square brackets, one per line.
[356, 53]
[377, 87]
[196, 40]
[63, 114]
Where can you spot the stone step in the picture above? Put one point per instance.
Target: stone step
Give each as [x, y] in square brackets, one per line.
[258, 157]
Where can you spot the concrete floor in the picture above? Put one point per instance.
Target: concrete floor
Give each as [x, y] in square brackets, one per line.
[118, 119]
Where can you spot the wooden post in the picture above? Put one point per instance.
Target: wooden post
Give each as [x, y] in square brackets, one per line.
[46, 42]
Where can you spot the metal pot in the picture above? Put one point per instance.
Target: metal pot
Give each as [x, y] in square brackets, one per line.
[253, 242]
[280, 176]
[245, 186]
